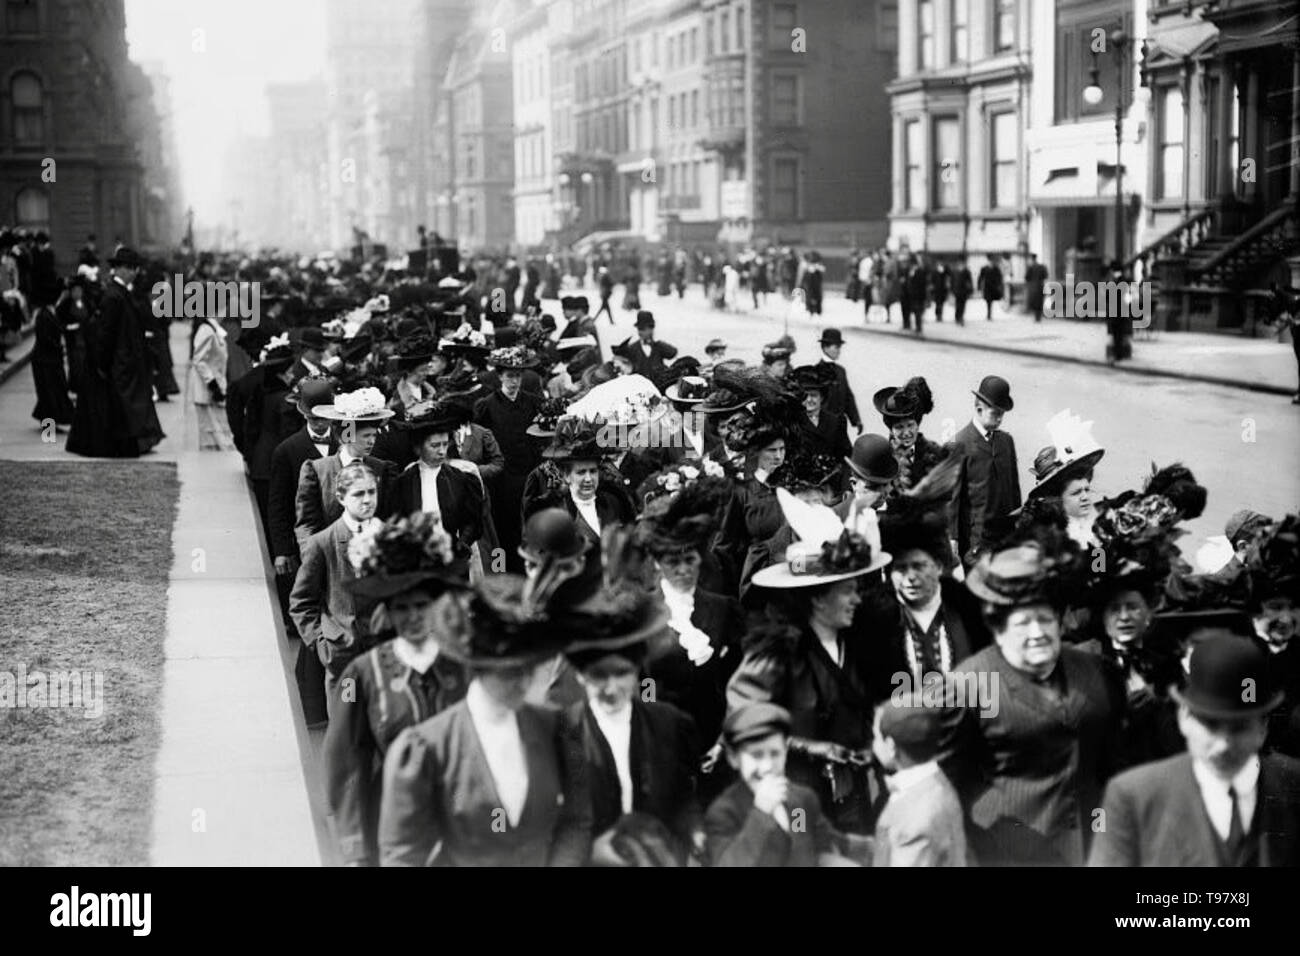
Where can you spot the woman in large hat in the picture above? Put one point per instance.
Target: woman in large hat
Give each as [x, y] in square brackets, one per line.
[494, 780]
[402, 568]
[1032, 751]
[902, 410]
[826, 431]
[1063, 472]
[707, 626]
[418, 363]
[815, 662]
[577, 449]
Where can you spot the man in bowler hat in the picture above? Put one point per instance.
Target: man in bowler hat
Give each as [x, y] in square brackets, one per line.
[647, 356]
[840, 400]
[1221, 803]
[989, 484]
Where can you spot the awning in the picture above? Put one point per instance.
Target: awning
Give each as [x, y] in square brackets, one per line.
[1065, 187]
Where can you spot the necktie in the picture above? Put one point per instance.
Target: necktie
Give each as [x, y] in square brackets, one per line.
[1236, 836]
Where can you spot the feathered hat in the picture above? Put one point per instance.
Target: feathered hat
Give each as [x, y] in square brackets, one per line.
[684, 520]
[1072, 453]
[828, 549]
[805, 470]
[766, 412]
[912, 401]
[399, 555]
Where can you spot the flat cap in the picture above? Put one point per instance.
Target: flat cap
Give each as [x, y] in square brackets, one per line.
[754, 722]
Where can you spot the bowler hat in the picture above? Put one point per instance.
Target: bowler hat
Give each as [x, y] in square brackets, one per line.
[754, 722]
[996, 391]
[1228, 677]
[831, 337]
[873, 460]
[568, 303]
[715, 345]
[310, 392]
[553, 533]
[645, 320]
[126, 256]
[815, 378]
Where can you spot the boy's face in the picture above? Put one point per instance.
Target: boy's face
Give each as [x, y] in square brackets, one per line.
[883, 747]
[755, 760]
[360, 499]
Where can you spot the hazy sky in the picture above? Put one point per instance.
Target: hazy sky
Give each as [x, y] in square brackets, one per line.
[218, 76]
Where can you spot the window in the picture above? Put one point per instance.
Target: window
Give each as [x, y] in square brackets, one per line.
[724, 30]
[21, 16]
[913, 183]
[28, 109]
[695, 44]
[708, 36]
[785, 18]
[1074, 61]
[695, 108]
[925, 35]
[672, 112]
[737, 102]
[740, 27]
[946, 163]
[887, 26]
[32, 209]
[785, 189]
[785, 100]
[959, 17]
[634, 128]
[654, 50]
[1004, 27]
[1005, 158]
[1170, 168]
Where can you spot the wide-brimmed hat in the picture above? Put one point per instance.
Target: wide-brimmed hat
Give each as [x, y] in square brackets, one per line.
[827, 550]
[1071, 455]
[548, 416]
[996, 391]
[577, 439]
[627, 400]
[872, 460]
[689, 389]
[831, 337]
[911, 401]
[126, 256]
[428, 418]
[401, 554]
[815, 378]
[1228, 677]
[1015, 576]
[685, 518]
[415, 350]
[362, 405]
[496, 626]
[513, 357]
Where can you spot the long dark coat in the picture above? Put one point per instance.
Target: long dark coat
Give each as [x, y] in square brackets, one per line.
[52, 400]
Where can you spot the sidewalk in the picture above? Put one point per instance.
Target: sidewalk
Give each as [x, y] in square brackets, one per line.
[230, 788]
[1260, 364]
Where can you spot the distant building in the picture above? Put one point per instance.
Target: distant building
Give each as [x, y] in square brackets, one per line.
[299, 193]
[69, 162]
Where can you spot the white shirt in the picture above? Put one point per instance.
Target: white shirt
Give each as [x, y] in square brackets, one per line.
[1080, 531]
[429, 488]
[984, 432]
[419, 658]
[681, 605]
[588, 511]
[498, 734]
[645, 349]
[924, 616]
[346, 457]
[617, 728]
[906, 777]
[1214, 792]
[696, 439]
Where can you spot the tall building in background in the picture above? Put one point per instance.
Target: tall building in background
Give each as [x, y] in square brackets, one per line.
[368, 49]
[251, 203]
[530, 61]
[71, 107]
[300, 169]
[164, 202]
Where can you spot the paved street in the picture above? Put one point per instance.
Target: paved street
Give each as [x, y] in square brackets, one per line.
[1241, 445]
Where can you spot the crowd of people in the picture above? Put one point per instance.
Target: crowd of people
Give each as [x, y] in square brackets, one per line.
[566, 596]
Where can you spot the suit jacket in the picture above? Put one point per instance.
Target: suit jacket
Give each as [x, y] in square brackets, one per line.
[318, 604]
[840, 399]
[315, 503]
[830, 436]
[481, 447]
[438, 789]
[460, 501]
[286, 466]
[613, 506]
[652, 366]
[738, 834]
[1155, 816]
[676, 447]
[508, 422]
[922, 826]
[664, 755]
[1031, 774]
[988, 487]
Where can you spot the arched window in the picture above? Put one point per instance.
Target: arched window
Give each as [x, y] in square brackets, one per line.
[28, 100]
[32, 209]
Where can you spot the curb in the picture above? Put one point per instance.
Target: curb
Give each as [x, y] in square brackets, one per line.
[1131, 370]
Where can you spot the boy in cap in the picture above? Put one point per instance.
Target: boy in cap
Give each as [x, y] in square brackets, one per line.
[921, 824]
[764, 819]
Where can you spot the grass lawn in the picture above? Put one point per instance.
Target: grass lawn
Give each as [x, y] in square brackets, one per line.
[85, 553]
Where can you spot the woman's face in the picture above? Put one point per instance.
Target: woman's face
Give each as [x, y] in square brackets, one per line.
[915, 576]
[779, 368]
[771, 457]
[904, 433]
[610, 682]
[508, 686]
[1030, 638]
[837, 605]
[681, 569]
[1277, 622]
[1126, 617]
[409, 614]
[434, 448]
[582, 477]
[812, 403]
[1076, 499]
[511, 381]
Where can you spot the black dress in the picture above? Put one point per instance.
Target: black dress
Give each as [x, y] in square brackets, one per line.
[52, 402]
